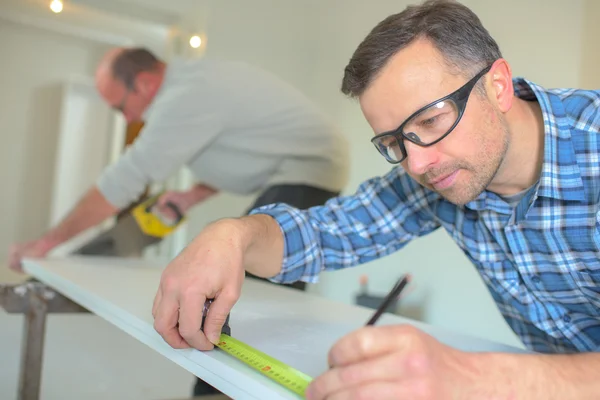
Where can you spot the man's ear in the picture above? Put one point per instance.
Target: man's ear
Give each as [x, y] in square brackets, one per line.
[500, 85]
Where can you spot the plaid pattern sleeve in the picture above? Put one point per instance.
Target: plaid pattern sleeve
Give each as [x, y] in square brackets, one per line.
[381, 217]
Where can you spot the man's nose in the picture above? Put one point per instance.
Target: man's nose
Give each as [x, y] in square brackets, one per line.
[419, 158]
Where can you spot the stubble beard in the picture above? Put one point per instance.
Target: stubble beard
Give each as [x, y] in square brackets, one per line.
[476, 176]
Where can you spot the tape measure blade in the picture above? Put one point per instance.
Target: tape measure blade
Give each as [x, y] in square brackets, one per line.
[289, 377]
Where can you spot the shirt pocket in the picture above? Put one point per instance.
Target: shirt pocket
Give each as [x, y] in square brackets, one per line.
[502, 279]
[586, 271]
[588, 281]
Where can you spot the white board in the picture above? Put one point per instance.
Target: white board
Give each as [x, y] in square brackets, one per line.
[295, 327]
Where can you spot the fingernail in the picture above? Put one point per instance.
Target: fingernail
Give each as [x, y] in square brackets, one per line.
[214, 338]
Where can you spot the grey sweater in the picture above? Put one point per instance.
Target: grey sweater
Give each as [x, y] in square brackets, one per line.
[236, 127]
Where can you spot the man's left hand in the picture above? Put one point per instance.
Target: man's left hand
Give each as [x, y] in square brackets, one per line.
[395, 362]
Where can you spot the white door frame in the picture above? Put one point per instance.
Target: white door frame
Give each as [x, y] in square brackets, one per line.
[98, 141]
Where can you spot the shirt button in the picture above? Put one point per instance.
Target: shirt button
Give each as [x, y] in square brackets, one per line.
[567, 319]
[536, 279]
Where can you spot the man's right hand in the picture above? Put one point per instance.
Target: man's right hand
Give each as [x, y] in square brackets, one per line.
[182, 200]
[213, 266]
[210, 267]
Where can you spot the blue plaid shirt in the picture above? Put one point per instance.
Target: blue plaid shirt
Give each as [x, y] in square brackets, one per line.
[540, 259]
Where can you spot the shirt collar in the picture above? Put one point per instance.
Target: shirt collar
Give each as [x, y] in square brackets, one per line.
[560, 176]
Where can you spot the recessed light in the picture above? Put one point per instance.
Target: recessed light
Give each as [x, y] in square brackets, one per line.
[56, 6]
[195, 41]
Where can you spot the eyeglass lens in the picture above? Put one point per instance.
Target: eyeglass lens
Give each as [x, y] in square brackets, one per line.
[424, 128]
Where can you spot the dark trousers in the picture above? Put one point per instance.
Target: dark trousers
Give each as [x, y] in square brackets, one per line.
[299, 196]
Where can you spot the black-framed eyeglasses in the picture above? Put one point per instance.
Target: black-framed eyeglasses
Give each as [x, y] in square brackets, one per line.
[428, 125]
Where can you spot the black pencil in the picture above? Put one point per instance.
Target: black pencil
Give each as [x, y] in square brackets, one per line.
[394, 293]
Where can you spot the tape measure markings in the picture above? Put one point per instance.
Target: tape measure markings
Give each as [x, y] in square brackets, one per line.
[274, 369]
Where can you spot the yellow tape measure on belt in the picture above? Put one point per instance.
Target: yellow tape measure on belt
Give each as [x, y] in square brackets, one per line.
[278, 371]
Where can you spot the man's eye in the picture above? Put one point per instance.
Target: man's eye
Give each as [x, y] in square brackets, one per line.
[389, 142]
[429, 121]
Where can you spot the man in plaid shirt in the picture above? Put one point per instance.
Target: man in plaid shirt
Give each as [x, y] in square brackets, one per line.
[511, 170]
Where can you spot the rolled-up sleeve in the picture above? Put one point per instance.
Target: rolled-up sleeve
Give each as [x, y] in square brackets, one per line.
[181, 125]
[380, 218]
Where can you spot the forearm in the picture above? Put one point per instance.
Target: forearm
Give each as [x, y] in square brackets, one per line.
[91, 210]
[547, 377]
[262, 242]
[348, 230]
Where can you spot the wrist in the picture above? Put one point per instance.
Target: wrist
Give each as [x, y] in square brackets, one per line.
[250, 229]
[201, 192]
[261, 241]
[481, 376]
[536, 376]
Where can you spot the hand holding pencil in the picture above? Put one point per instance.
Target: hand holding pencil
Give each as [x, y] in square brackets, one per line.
[392, 362]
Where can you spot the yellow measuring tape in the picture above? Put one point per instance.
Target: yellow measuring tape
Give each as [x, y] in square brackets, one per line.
[278, 371]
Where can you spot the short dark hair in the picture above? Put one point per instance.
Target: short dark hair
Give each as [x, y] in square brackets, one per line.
[454, 29]
[130, 62]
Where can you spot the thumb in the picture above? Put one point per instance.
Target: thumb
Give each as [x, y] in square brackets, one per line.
[217, 314]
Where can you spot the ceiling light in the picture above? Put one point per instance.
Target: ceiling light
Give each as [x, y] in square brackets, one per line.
[195, 41]
[56, 6]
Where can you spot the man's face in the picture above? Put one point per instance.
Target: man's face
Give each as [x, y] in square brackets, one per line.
[461, 165]
[130, 102]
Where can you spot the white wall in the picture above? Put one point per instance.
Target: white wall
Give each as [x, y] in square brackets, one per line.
[447, 290]
[273, 34]
[590, 76]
